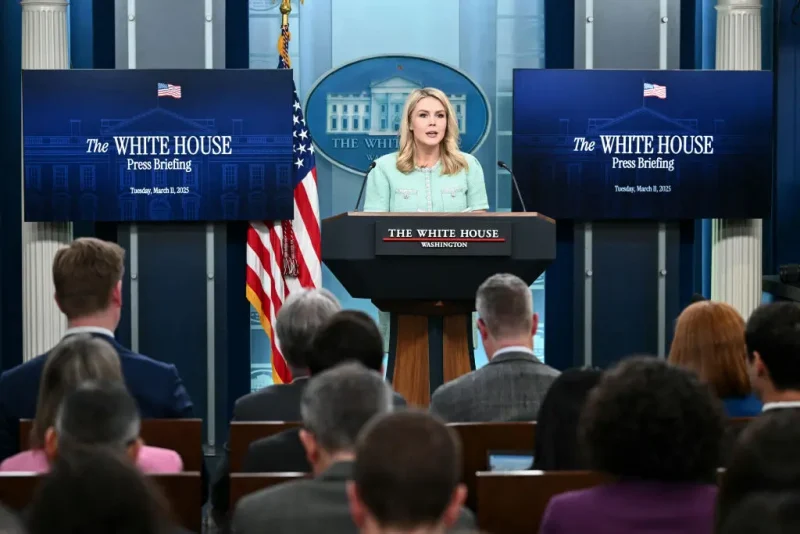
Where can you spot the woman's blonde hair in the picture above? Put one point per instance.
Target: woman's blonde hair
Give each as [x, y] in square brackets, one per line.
[453, 161]
[709, 340]
[75, 360]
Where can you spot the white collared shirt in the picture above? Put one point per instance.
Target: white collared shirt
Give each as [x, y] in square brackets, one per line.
[89, 330]
[516, 348]
[780, 404]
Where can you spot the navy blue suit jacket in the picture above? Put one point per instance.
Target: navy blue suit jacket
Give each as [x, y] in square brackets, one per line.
[156, 386]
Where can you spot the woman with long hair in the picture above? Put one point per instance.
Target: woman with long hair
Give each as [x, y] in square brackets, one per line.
[428, 173]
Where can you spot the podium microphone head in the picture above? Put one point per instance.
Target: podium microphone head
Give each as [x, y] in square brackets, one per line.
[501, 163]
[371, 166]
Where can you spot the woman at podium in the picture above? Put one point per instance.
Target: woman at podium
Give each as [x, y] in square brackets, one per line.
[428, 173]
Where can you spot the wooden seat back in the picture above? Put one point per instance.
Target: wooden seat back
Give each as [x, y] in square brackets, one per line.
[243, 433]
[514, 502]
[184, 436]
[183, 492]
[477, 439]
[243, 484]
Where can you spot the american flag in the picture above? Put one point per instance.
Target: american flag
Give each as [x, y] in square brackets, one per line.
[167, 89]
[658, 91]
[270, 242]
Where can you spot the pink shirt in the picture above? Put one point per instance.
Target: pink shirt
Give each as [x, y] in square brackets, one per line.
[151, 460]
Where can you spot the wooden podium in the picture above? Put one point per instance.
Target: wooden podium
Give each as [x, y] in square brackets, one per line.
[424, 268]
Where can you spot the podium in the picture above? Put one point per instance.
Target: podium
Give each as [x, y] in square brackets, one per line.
[424, 268]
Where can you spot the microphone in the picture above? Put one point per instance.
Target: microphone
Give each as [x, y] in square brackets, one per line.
[364, 183]
[502, 165]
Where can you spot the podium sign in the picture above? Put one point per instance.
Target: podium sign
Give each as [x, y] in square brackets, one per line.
[442, 237]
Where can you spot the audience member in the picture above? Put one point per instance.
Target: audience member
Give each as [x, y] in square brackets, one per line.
[765, 458]
[514, 382]
[556, 447]
[407, 476]
[88, 289]
[95, 491]
[709, 340]
[10, 523]
[772, 336]
[764, 513]
[655, 430]
[335, 407]
[298, 321]
[349, 335]
[77, 359]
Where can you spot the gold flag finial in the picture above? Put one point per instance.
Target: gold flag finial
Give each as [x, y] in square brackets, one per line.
[286, 8]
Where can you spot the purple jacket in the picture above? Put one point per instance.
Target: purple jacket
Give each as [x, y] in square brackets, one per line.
[633, 507]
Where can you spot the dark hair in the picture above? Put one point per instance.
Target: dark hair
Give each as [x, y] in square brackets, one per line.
[649, 420]
[96, 492]
[773, 331]
[74, 360]
[764, 458]
[348, 335]
[764, 513]
[407, 467]
[84, 274]
[98, 413]
[556, 445]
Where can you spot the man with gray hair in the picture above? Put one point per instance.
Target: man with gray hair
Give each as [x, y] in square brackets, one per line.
[514, 383]
[336, 404]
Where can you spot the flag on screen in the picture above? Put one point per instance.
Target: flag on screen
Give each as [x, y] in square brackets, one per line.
[658, 91]
[284, 256]
[167, 89]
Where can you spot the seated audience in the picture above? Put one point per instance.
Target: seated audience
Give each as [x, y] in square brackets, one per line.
[772, 336]
[301, 315]
[95, 491]
[764, 513]
[556, 447]
[709, 340]
[407, 476]
[74, 361]
[655, 430]
[349, 335]
[88, 289]
[766, 458]
[335, 406]
[514, 382]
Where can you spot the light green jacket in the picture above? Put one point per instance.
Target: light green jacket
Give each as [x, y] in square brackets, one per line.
[388, 189]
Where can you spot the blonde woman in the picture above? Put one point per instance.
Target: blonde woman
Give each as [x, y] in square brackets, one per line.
[429, 172]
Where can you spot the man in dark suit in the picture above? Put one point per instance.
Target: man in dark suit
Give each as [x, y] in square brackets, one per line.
[335, 406]
[514, 382]
[347, 335]
[88, 289]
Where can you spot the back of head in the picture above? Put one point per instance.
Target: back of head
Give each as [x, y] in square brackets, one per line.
[75, 360]
[764, 458]
[709, 340]
[98, 414]
[407, 469]
[347, 335]
[84, 275]
[764, 513]
[556, 446]
[505, 305]
[299, 320]
[97, 492]
[337, 403]
[649, 420]
[773, 331]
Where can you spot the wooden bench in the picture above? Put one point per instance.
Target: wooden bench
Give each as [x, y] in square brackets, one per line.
[243, 433]
[477, 439]
[181, 490]
[184, 436]
[514, 502]
[243, 484]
